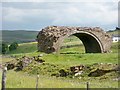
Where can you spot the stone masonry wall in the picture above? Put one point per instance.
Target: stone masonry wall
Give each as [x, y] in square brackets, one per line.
[50, 38]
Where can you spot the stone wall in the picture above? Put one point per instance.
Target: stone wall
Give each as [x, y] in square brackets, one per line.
[94, 39]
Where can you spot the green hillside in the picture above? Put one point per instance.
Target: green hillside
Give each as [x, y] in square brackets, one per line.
[19, 36]
[114, 32]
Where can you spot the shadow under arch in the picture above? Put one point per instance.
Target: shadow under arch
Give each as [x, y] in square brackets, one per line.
[90, 42]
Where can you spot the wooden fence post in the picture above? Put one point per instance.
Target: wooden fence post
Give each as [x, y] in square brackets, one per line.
[4, 78]
[37, 82]
[87, 85]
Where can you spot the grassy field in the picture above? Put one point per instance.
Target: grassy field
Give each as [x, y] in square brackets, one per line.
[23, 80]
[25, 48]
[62, 60]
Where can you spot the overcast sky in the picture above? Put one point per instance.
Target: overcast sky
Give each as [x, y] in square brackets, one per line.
[37, 15]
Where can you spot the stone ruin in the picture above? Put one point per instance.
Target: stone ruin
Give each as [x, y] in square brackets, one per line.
[94, 39]
[21, 63]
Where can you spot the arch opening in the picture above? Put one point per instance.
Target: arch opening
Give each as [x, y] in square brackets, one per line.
[90, 43]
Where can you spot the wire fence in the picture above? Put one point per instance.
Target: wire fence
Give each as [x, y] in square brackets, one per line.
[87, 84]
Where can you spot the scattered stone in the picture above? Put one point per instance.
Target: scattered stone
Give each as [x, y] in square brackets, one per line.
[63, 73]
[41, 55]
[24, 61]
[39, 59]
[117, 79]
[98, 72]
[76, 69]
[10, 66]
[78, 73]
[117, 68]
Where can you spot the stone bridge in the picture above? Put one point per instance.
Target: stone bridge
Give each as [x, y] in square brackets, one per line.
[95, 40]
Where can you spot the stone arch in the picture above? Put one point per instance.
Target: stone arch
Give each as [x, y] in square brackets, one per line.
[95, 40]
[90, 42]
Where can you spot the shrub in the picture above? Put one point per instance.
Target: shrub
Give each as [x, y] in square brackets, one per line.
[13, 46]
[4, 48]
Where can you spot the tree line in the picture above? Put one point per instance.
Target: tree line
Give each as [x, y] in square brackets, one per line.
[11, 47]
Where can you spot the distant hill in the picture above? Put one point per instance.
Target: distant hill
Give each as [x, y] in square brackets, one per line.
[114, 32]
[20, 36]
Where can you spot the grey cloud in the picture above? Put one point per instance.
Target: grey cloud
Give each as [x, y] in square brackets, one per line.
[38, 15]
